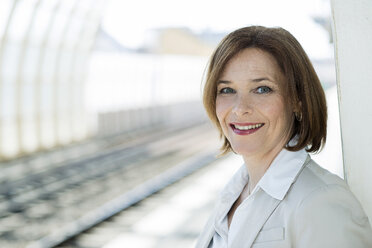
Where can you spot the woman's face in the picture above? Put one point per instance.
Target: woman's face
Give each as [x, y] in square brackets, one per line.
[250, 104]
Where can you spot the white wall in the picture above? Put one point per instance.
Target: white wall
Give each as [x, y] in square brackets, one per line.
[352, 29]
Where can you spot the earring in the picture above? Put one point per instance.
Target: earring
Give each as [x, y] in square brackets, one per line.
[298, 116]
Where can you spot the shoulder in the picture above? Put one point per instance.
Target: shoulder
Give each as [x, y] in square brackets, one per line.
[317, 188]
[314, 176]
[313, 180]
[326, 208]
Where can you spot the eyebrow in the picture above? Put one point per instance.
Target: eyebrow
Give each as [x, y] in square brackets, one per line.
[255, 80]
[223, 82]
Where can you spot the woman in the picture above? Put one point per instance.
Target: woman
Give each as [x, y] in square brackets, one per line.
[267, 102]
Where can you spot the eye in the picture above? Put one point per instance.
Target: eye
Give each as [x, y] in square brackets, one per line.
[226, 90]
[263, 90]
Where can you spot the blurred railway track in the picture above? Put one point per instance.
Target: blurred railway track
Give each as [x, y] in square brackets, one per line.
[48, 198]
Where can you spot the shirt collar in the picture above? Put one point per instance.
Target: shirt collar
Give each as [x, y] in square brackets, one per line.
[236, 184]
[282, 173]
[276, 180]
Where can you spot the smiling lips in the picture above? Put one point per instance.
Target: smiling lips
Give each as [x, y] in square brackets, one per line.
[245, 128]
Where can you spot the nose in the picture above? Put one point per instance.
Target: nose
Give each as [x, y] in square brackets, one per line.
[242, 106]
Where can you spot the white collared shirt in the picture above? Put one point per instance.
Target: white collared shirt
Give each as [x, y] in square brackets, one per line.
[275, 182]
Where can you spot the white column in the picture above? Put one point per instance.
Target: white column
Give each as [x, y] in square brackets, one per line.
[352, 30]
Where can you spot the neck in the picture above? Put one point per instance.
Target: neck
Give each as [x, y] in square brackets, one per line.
[258, 165]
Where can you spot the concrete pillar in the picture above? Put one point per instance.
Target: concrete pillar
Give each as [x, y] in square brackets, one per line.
[352, 30]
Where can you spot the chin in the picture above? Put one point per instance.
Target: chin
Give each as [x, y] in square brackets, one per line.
[245, 150]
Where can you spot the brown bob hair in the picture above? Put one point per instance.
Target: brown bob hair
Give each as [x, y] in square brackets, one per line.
[302, 83]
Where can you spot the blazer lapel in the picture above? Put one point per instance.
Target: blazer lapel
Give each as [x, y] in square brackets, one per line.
[207, 234]
[264, 206]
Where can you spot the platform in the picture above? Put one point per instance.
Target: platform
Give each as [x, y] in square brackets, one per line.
[173, 217]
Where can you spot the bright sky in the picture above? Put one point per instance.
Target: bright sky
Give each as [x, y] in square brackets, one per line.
[128, 21]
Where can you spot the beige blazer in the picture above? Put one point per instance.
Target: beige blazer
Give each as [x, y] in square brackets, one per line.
[318, 211]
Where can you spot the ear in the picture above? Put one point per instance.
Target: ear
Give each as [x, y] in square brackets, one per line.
[297, 107]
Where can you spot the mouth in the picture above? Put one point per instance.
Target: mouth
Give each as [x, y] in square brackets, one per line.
[245, 128]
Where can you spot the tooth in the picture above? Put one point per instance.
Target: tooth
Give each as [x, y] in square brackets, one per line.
[248, 127]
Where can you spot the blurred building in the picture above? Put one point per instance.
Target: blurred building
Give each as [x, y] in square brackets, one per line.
[44, 49]
[64, 79]
[179, 41]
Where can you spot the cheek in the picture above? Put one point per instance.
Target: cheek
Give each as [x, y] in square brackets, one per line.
[284, 121]
[220, 109]
[277, 112]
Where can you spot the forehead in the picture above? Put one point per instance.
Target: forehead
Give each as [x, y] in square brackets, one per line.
[251, 63]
